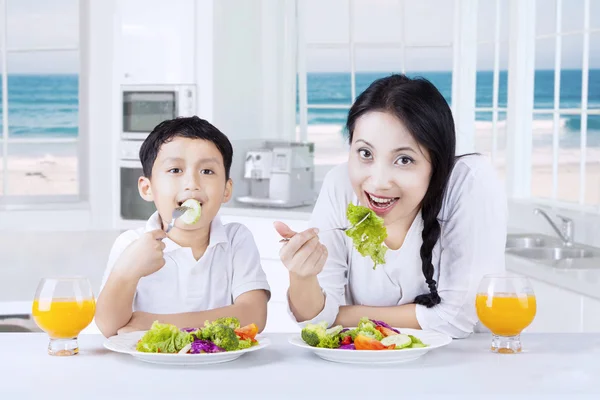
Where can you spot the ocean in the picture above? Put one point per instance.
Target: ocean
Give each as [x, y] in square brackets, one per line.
[47, 105]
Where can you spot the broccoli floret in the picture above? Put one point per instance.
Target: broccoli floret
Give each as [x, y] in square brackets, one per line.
[231, 322]
[224, 337]
[245, 344]
[367, 328]
[312, 333]
[317, 335]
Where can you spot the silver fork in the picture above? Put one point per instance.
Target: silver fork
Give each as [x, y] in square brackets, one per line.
[178, 212]
[334, 229]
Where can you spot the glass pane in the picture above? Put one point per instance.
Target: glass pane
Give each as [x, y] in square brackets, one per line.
[595, 14]
[142, 111]
[377, 21]
[484, 139]
[541, 174]
[570, 76]
[569, 157]
[372, 64]
[485, 75]
[42, 169]
[42, 23]
[544, 73]
[572, 15]
[592, 171]
[433, 63]
[43, 91]
[428, 21]
[594, 72]
[328, 77]
[486, 20]
[545, 17]
[325, 21]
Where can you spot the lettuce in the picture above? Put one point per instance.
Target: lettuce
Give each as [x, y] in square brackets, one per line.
[369, 235]
[164, 338]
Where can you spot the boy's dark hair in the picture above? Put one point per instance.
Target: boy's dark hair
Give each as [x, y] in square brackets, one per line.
[187, 127]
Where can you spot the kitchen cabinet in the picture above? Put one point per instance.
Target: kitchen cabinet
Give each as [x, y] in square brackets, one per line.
[155, 42]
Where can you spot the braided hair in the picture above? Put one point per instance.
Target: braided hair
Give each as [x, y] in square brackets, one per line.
[426, 114]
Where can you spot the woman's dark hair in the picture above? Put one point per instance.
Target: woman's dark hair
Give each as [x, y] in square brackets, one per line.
[423, 110]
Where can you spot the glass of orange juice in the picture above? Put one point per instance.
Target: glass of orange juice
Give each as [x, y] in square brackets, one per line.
[62, 308]
[505, 305]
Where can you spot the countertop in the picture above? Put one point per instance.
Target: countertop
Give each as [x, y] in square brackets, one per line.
[552, 366]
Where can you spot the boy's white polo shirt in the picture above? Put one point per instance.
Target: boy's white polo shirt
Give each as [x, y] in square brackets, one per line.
[229, 267]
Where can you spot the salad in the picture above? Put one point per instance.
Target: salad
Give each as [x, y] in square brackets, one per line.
[369, 235]
[368, 335]
[223, 334]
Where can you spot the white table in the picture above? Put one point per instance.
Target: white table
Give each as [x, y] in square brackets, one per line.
[553, 365]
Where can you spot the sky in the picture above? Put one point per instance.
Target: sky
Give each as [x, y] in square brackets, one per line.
[428, 23]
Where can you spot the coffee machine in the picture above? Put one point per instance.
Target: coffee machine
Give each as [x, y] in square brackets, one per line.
[279, 174]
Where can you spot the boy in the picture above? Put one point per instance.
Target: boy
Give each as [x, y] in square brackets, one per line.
[196, 272]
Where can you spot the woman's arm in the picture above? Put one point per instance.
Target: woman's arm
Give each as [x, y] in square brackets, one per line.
[403, 316]
[318, 281]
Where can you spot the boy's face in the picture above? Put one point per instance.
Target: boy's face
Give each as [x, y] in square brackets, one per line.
[185, 169]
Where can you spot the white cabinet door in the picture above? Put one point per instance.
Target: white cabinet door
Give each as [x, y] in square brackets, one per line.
[558, 310]
[591, 315]
[156, 41]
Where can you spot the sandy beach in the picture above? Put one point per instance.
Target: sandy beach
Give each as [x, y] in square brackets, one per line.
[53, 174]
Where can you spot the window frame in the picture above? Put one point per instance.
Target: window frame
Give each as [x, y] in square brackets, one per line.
[9, 202]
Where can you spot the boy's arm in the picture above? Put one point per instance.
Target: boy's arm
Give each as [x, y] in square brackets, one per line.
[114, 305]
[129, 261]
[249, 308]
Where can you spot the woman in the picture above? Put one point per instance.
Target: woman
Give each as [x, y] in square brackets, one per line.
[445, 216]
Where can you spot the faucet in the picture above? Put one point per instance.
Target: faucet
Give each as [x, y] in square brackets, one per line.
[566, 230]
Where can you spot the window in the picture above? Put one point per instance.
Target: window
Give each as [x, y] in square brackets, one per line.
[39, 144]
[344, 45]
[566, 114]
[491, 93]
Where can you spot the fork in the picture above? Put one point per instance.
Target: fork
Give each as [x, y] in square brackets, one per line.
[178, 212]
[333, 229]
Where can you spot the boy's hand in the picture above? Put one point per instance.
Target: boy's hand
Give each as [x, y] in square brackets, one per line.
[144, 256]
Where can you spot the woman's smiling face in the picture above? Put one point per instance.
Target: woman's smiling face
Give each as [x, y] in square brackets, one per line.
[389, 171]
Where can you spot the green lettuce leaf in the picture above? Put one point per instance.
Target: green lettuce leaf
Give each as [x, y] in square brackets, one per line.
[367, 237]
[164, 338]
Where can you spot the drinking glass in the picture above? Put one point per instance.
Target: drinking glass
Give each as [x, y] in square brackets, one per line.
[506, 305]
[62, 308]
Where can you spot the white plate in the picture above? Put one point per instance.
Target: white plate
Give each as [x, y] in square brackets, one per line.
[434, 340]
[126, 343]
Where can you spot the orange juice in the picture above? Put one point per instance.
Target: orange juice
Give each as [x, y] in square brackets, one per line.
[63, 318]
[506, 314]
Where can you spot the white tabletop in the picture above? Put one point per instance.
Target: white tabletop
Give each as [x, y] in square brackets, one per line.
[552, 365]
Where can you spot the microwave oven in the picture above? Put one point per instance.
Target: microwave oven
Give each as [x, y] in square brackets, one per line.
[145, 106]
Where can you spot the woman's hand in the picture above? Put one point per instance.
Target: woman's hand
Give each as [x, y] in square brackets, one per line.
[303, 255]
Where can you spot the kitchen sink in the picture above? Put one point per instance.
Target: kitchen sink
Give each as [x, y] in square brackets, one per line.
[551, 251]
[554, 253]
[526, 241]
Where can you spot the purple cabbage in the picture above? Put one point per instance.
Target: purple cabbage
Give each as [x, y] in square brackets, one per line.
[383, 324]
[344, 330]
[189, 329]
[204, 346]
[347, 347]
